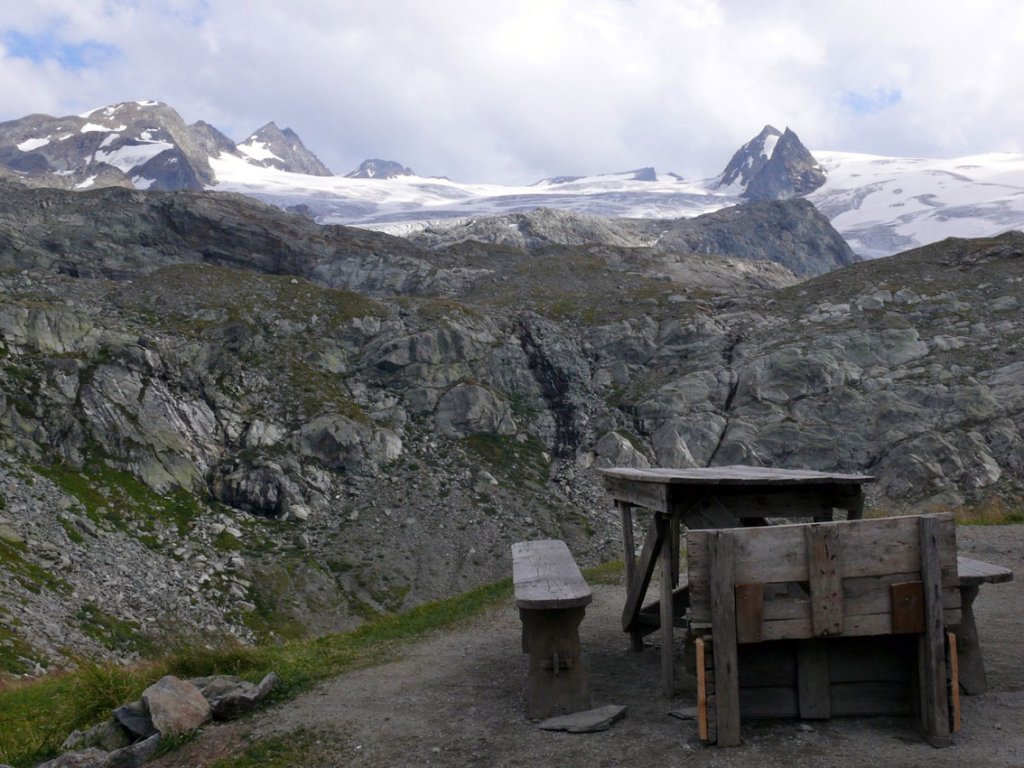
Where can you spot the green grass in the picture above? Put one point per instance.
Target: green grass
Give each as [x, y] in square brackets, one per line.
[510, 459]
[108, 493]
[111, 632]
[35, 717]
[32, 577]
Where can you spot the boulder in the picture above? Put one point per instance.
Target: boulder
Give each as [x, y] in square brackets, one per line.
[175, 706]
[230, 697]
[616, 450]
[467, 409]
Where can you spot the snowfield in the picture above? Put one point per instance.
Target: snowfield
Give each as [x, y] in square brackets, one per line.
[881, 205]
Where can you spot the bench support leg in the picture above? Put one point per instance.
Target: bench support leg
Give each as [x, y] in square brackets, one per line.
[557, 682]
[972, 666]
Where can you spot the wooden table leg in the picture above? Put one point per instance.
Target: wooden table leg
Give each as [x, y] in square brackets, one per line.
[972, 665]
[636, 639]
[666, 618]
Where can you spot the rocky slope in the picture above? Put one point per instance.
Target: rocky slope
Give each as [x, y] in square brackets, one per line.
[218, 418]
[791, 233]
[272, 147]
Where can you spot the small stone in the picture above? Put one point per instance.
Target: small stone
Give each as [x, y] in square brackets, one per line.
[589, 721]
[135, 718]
[134, 755]
[11, 536]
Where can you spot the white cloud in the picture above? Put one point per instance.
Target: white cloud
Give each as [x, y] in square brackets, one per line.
[515, 90]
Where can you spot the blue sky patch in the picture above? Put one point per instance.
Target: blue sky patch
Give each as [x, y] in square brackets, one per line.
[47, 46]
[873, 102]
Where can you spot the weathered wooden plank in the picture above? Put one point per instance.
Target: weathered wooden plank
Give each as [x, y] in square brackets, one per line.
[642, 494]
[934, 706]
[974, 572]
[737, 474]
[702, 693]
[546, 576]
[723, 612]
[749, 613]
[643, 572]
[825, 570]
[907, 607]
[954, 683]
[870, 548]
[813, 680]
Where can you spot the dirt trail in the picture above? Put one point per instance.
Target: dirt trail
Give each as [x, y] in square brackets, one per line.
[456, 699]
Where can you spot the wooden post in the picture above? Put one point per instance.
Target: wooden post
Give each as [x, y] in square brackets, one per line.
[721, 547]
[636, 640]
[932, 662]
[557, 680]
[666, 618]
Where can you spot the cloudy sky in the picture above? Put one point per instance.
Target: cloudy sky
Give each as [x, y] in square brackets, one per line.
[514, 91]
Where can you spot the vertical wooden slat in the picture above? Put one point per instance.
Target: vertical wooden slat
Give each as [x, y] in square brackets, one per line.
[935, 709]
[825, 577]
[721, 547]
[702, 693]
[954, 682]
[749, 613]
[812, 676]
[673, 537]
[667, 629]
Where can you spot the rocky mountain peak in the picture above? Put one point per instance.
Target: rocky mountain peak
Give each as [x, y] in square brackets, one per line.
[791, 171]
[750, 158]
[272, 147]
[379, 169]
[773, 165]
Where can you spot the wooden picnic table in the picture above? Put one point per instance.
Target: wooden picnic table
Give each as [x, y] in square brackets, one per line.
[712, 497]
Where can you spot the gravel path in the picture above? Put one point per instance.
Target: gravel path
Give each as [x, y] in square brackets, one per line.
[456, 699]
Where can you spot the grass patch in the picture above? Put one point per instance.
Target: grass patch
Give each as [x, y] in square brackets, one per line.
[32, 577]
[612, 572]
[991, 511]
[36, 716]
[108, 494]
[111, 632]
[516, 461]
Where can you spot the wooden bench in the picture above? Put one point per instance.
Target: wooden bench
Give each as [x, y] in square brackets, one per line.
[972, 574]
[552, 596]
[826, 619]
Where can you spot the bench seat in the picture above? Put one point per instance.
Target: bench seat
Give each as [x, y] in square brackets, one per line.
[552, 596]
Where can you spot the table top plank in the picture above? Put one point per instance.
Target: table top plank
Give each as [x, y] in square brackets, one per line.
[545, 575]
[733, 475]
[974, 572]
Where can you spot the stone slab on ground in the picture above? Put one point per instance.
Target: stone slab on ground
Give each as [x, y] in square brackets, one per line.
[588, 721]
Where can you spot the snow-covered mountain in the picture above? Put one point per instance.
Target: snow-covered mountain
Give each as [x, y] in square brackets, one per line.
[271, 147]
[881, 205]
